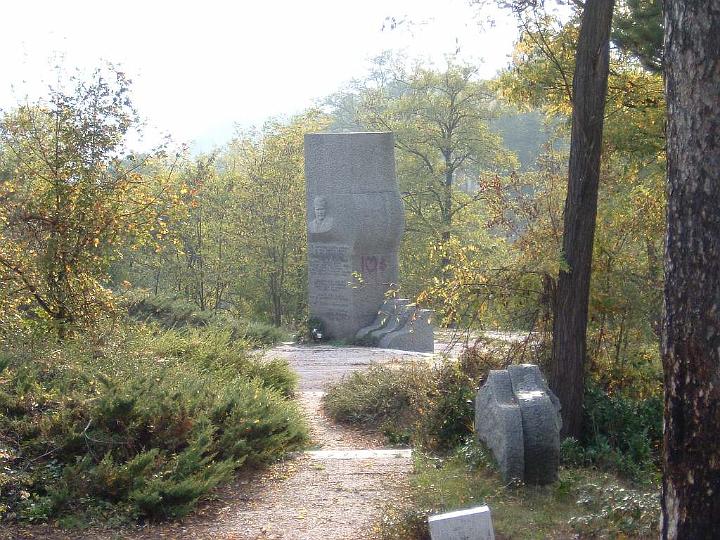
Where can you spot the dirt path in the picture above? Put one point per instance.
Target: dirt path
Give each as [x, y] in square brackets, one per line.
[335, 491]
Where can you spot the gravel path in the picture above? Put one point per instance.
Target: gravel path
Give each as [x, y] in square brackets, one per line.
[333, 492]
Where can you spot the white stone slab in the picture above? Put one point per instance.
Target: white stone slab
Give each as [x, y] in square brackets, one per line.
[360, 454]
[471, 524]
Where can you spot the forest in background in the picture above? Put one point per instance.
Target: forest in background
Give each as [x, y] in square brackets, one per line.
[482, 171]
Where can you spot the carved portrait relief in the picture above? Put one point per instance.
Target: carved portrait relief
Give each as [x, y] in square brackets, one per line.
[322, 222]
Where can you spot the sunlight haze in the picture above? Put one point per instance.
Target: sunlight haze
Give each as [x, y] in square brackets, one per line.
[201, 68]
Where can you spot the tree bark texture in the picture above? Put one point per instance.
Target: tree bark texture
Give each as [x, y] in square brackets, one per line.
[571, 308]
[691, 324]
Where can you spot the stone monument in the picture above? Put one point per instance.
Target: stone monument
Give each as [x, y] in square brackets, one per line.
[355, 223]
[518, 417]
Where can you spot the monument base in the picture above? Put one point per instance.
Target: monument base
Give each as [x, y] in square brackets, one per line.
[400, 325]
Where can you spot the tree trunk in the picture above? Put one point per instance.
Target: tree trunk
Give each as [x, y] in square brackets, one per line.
[655, 281]
[571, 308]
[691, 323]
[275, 300]
[447, 215]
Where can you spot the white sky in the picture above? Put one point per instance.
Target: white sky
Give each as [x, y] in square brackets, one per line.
[200, 67]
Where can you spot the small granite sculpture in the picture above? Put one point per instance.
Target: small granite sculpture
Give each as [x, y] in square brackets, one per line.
[518, 418]
[415, 335]
[387, 312]
[400, 325]
[401, 315]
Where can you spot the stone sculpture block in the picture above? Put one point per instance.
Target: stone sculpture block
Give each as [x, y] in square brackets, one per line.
[518, 418]
[498, 423]
[471, 524]
[541, 423]
[401, 315]
[387, 312]
[355, 223]
[415, 335]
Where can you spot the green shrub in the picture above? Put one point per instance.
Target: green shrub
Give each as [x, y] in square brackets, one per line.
[217, 348]
[449, 416]
[610, 510]
[429, 406]
[140, 427]
[619, 433]
[275, 374]
[311, 330]
[259, 334]
[167, 311]
[391, 399]
[174, 313]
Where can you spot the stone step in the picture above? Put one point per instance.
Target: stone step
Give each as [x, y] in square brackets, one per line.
[361, 454]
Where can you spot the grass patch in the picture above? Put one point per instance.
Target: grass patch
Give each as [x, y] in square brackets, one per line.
[583, 502]
[138, 427]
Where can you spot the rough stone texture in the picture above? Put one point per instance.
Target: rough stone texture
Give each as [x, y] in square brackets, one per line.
[540, 411]
[471, 524]
[387, 312]
[355, 222]
[498, 423]
[415, 335]
[396, 322]
[518, 418]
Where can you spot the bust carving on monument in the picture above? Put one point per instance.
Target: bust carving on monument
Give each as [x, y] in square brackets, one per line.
[322, 222]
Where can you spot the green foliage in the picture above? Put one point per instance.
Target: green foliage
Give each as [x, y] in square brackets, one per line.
[447, 154]
[615, 511]
[619, 433]
[313, 331]
[524, 132]
[581, 501]
[217, 348]
[508, 281]
[638, 29]
[140, 426]
[167, 311]
[382, 397]
[449, 416]
[171, 312]
[506, 278]
[428, 406]
[238, 240]
[260, 333]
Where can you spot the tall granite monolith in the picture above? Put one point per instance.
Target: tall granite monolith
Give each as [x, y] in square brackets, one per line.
[355, 223]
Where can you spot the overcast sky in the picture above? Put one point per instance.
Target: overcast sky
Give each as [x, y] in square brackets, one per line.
[200, 67]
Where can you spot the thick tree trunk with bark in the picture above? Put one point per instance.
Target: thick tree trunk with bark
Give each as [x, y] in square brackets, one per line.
[691, 325]
[571, 308]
